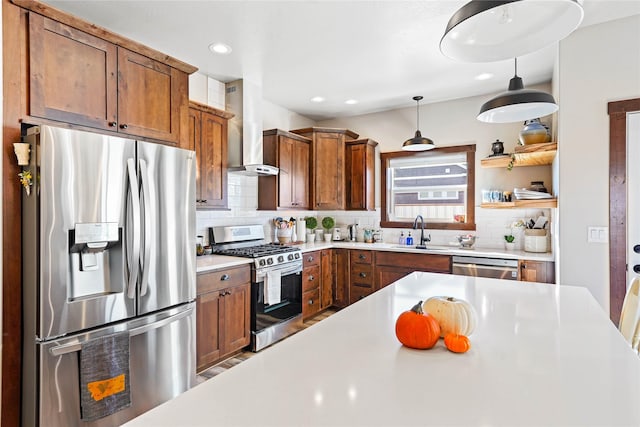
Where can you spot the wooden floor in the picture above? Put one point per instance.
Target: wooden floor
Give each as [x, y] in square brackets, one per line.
[244, 355]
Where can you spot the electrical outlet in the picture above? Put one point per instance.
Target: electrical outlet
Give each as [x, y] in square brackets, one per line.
[598, 234]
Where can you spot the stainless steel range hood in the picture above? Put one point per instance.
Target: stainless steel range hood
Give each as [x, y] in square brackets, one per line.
[244, 99]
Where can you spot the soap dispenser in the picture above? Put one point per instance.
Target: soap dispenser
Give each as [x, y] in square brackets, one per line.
[402, 240]
[409, 240]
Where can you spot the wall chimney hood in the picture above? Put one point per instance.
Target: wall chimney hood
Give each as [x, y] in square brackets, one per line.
[244, 99]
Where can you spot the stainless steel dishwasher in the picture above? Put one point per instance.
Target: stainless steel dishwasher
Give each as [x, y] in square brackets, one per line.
[495, 268]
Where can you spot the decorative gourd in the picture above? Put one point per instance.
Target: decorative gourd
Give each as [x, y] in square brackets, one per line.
[416, 329]
[457, 343]
[454, 315]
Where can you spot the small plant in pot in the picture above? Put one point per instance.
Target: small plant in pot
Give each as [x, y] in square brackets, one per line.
[509, 242]
[311, 223]
[328, 223]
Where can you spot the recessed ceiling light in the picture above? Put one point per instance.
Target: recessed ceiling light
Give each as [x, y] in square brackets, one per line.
[220, 48]
[317, 99]
[351, 101]
[484, 76]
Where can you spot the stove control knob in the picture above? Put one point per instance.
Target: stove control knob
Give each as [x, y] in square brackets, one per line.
[261, 262]
[270, 261]
[280, 258]
[297, 255]
[290, 257]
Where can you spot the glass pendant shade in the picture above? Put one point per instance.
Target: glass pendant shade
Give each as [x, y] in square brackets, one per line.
[517, 104]
[489, 30]
[418, 142]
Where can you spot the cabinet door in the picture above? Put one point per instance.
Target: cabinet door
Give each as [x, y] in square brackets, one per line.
[286, 176]
[356, 182]
[300, 176]
[150, 97]
[208, 340]
[328, 162]
[326, 284]
[537, 271]
[212, 162]
[385, 275]
[72, 75]
[235, 323]
[340, 277]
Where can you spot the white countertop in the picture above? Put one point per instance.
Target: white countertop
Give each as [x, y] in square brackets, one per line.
[542, 355]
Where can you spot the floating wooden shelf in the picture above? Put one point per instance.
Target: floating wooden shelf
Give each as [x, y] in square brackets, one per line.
[525, 155]
[541, 203]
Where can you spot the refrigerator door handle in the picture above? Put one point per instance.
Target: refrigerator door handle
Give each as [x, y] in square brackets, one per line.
[65, 349]
[145, 261]
[133, 238]
[160, 323]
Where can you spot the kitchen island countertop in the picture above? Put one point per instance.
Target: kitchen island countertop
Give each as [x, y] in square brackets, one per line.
[541, 355]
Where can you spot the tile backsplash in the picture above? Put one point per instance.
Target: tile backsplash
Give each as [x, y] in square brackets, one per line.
[491, 224]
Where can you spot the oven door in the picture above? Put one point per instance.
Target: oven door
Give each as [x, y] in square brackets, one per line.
[272, 322]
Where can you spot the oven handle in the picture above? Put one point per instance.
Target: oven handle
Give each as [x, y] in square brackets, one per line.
[285, 270]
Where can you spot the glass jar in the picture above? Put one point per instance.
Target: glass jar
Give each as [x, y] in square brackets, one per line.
[199, 245]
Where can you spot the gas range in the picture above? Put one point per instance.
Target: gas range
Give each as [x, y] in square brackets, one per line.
[248, 242]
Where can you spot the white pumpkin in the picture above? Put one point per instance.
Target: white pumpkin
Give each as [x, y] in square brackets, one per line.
[454, 315]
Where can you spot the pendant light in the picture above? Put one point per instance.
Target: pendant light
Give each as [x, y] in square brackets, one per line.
[489, 30]
[517, 103]
[418, 142]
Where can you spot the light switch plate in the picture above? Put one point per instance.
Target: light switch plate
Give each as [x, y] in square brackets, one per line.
[598, 234]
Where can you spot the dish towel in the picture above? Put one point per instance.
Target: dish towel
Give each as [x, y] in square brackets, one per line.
[272, 285]
[104, 376]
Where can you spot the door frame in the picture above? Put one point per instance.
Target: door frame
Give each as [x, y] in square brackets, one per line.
[617, 111]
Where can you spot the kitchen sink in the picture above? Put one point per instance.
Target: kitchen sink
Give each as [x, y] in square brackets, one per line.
[423, 248]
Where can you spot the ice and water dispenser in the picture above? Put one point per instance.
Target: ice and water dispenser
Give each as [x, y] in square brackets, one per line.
[95, 252]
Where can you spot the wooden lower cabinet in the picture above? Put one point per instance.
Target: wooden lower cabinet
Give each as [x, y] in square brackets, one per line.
[391, 266]
[223, 306]
[340, 270]
[361, 274]
[326, 281]
[537, 271]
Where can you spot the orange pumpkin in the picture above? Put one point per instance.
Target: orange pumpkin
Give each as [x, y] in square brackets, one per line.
[417, 329]
[457, 343]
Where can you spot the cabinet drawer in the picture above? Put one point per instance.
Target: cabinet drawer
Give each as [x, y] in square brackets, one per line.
[362, 257]
[418, 262]
[310, 302]
[311, 258]
[362, 275]
[357, 293]
[207, 282]
[310, 278]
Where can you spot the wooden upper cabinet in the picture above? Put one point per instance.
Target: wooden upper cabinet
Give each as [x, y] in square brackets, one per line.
[360, 173]
[73, 75]
[208, 137]
[79, 78]
[290, 188]
[327, 166]
[150, 97]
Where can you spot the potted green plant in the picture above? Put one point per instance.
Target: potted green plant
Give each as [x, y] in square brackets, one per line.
[311, 223]
[509, 242]
[328, 223]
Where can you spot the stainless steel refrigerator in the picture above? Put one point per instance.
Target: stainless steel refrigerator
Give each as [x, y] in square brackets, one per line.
[108, 250]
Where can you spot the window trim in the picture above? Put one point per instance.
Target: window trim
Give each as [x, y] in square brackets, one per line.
[470, 223]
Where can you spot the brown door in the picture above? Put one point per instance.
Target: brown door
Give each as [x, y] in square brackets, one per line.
[326, 284]
[208, 340]
[236, 317]
[213, 161]
[328, 153]
[340, 265]
[286, 175]
[149, 99]
[300, 176]
[73, 75]
[356, 158]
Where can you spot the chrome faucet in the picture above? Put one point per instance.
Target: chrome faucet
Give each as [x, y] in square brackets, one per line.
[423, 239]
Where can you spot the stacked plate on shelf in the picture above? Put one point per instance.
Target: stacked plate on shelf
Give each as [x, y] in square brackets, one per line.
[524, 194]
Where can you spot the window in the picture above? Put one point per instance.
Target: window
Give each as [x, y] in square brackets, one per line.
[437, 184]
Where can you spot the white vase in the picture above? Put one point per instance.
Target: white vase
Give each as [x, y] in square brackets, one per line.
[311, 237]
[510, 246]
[327, 237]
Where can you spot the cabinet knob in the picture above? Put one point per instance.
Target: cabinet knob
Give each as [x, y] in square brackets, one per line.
[363, 274]
[203, 200]
[225, 277]
[227, 292]
[123, 126]
[311, 278]
[113, 124]
[310, 302]
[310, 259]
[524, 266]
[221, 294]
[362, 256]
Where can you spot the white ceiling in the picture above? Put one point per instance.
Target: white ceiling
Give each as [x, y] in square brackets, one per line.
[380, 53]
